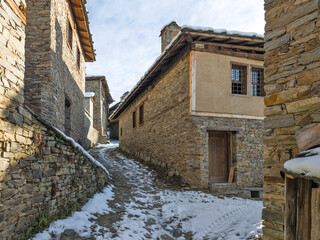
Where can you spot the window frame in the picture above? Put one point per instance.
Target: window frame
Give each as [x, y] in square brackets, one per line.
[243, 81]
[141, 114]
[258, 84]
[134, 125]
[69, 34]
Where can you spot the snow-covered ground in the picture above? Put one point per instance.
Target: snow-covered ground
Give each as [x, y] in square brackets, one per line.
[134, 207]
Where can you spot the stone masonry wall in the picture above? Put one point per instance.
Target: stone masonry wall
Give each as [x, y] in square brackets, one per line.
[42, 176]
[52, 74]
[292, 77]
[95, 86]
[167, 135]
[247, 152]
[177, 141]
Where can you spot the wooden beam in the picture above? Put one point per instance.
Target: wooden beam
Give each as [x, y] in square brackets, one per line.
[308, 136]
[225, 36]
[290, 220]
[231, 175]
[315, 214]
[304, 209]
[17, 11]
[233, 46]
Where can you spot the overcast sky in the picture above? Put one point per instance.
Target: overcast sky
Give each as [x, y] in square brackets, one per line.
[126, 32]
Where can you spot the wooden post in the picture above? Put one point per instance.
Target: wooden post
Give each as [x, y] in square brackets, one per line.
[315, 214]
[304, 209]
[291, 208]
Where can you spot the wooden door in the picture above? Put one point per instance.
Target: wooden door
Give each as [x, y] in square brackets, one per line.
[218, 157]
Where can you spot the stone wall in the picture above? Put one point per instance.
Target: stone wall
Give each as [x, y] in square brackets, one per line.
[172, 138]
[247, 149]
[292, 74]
[52, 74]
[42, 175]
[92, 137]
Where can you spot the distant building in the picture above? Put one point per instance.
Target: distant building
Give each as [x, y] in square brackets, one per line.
[199, 109]
[58, 43]
[99, 85]
[91, 134]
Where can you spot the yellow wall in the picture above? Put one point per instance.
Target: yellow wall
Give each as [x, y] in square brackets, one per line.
[211, 86]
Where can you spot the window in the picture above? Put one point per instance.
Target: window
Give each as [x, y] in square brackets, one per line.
[239, 79]
[78, 57]
[134, 119]
[120, 131]
[141, 114]
[257, 82]
[70, 34]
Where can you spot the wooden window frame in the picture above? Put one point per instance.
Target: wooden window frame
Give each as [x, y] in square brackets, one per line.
[78, 58]
[134, 124]
[141, 114]
[69, 34]
[257, 87]
[243, 79]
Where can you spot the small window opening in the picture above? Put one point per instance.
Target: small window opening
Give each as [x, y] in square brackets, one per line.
[141, 114]
[70, 34]
[257, 82]
[134, 119]
[239, 80]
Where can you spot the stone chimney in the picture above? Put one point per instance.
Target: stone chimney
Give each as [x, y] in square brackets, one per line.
[168, 32]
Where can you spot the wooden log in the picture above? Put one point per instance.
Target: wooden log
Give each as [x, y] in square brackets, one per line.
[315, 214]
[304, 209]
[308, 136]
[231, 174]
[291, 208]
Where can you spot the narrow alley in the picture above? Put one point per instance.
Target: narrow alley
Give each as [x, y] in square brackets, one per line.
[140, 206]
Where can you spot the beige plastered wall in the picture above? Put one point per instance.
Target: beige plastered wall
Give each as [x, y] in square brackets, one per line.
[211, 87]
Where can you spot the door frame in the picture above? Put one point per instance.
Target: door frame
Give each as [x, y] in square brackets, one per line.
[229, 135]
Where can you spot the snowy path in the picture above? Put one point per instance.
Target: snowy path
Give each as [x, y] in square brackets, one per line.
[136, 207]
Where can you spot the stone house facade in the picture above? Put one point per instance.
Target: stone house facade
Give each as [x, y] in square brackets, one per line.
[99, 85]
[292, 102]
[43, 175]
[198, 98]
[58, 43]
[92, 134]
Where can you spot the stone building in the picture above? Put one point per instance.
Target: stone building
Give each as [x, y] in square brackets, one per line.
[114, 125]
[99, 85]
[58, 43]
[92, 134]
[198, 111]
[292, 102]
[43, 174]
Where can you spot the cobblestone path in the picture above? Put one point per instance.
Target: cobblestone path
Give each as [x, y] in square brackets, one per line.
[144, 207]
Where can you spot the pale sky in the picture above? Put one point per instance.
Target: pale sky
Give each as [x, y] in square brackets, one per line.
[126, 32]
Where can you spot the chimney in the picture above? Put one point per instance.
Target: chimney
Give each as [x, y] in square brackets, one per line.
[168, 32]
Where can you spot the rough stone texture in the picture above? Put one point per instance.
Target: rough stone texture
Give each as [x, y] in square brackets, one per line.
[42, 176]
[100, 106]
[52, 74]
[292, 83]
[92, 134]
[170, 137]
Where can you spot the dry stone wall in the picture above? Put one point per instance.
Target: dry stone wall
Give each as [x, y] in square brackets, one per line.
[292, 77]
[42, 176]
[52, 74]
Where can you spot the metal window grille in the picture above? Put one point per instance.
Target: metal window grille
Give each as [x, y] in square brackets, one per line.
[257, 82]
[239, 80]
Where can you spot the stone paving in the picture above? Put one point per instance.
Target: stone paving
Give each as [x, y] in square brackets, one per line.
[145, 206]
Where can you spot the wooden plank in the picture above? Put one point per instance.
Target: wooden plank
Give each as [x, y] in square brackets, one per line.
[304, 209]
[231, 175]
[315, 214]
[308, 136]
[248, 48]
[291, 189]
[17, 11]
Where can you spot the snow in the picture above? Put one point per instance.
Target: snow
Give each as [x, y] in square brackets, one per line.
[152, 213]
[222, 31]
[89, 94]
[308, 166]
[79, 221]
[79, 147]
